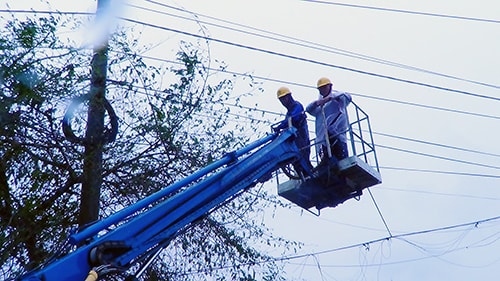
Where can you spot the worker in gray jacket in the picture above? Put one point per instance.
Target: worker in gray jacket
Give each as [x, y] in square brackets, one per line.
[331, 120]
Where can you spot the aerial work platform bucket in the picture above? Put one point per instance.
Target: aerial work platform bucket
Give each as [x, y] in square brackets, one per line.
[334, 182]
[331, 186]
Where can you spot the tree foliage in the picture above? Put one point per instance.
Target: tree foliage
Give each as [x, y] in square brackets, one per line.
[167, 130]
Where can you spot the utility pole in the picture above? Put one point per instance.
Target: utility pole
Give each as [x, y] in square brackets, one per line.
[94, 135]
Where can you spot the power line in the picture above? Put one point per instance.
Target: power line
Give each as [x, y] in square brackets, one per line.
[354, 94]
[404, 11]
[407, 260]
[429, 106]
[401, 237]
[439, 157]
[440, 172]
[74, 13]
[367, 243]
[438, 193]
[296, 58]
[437, 144]
[308, 60]
[392, 147]
[305, 43]
[376, 133]
[397, 236]
[300, 42]
[379, 212]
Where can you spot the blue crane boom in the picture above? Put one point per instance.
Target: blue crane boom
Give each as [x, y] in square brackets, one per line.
[186, 201]
[135, 234]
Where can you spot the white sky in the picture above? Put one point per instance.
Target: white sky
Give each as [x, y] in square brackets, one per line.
[410, 201]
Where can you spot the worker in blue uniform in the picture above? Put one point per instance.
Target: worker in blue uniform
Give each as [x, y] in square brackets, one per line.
[297, 118]
[330, 111]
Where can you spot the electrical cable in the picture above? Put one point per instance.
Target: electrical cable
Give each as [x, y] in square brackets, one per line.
[438, 193]
[439, 157]
[415, 233]
[298, 58]
[379, 212]
[437, 144]
[404, 11]
[303, 43]
[74, 13]
[440, 172]
[393, 148]
[284, 55]
[362, 244]
[354, 94]
[270, 52]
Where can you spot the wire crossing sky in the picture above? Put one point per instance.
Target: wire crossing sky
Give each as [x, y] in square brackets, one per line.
[405, 11]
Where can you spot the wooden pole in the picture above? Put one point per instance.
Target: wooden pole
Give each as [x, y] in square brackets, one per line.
[94, 140]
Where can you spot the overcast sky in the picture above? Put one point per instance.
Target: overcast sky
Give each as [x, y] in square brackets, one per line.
[425, 71]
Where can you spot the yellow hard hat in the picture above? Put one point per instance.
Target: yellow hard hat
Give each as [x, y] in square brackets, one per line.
[283, 91]
[323, 81]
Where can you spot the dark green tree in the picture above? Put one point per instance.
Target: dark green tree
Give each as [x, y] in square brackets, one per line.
[167, 130]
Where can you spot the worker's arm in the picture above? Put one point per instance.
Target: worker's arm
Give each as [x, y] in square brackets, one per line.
[343, 97]
[296, 114]
[313, 108]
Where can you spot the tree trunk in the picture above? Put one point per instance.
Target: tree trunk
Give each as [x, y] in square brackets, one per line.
[92, 165]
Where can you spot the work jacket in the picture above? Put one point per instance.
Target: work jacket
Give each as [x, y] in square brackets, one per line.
[335, 113]
[298, 116]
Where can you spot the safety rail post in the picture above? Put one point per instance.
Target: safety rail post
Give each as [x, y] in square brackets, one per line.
[373, 145]
[357, 134]
[364, 143]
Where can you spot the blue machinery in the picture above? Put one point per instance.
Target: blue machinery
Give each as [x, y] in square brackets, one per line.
[135, 234]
